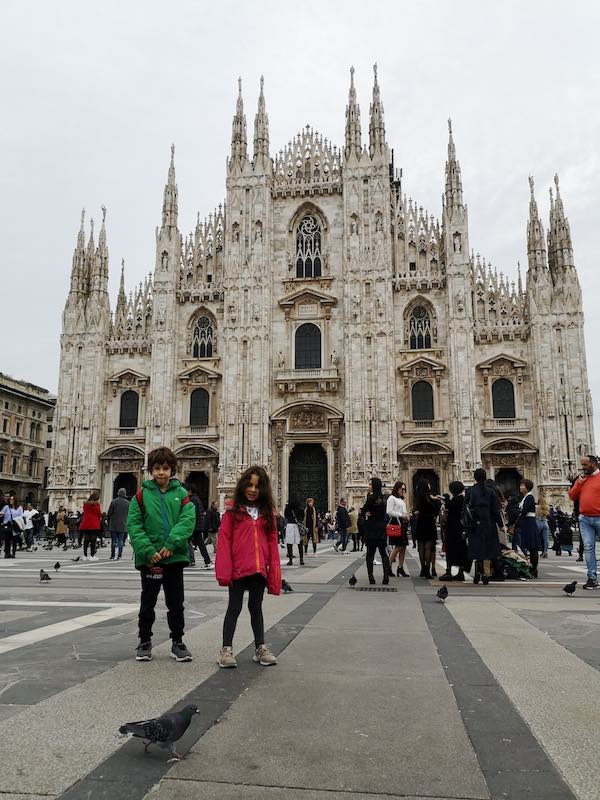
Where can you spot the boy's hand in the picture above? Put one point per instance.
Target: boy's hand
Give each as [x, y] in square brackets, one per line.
[164, 553]
[155, 558]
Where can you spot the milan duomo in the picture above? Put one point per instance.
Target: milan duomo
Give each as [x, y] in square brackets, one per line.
[325, 325]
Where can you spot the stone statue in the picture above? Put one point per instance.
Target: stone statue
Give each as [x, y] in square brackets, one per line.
[280, 359]
[334, 358]
[457, 243]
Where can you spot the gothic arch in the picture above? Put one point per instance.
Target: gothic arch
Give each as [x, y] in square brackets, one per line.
[308, 207]
[316, 240]
[286, 410]
[408, 313]
[201, 339]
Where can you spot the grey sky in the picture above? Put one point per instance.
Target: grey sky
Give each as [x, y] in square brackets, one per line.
[93, 95]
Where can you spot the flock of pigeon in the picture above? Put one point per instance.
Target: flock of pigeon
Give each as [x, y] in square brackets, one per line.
[442, 593]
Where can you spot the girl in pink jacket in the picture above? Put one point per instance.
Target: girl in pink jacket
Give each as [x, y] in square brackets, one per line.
[248, 558]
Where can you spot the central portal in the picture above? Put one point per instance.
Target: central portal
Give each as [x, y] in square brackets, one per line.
[308, 476]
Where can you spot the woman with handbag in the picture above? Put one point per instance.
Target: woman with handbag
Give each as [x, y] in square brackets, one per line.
[397, 519]
[11, 528]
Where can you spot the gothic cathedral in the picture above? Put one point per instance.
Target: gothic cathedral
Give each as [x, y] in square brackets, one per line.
[323, 325]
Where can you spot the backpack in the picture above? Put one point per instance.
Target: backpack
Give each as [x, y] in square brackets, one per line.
[468, 520]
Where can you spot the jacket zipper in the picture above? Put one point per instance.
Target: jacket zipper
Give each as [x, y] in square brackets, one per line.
[256, 545]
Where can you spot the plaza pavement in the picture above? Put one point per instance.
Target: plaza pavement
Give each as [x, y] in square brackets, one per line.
[377, 694]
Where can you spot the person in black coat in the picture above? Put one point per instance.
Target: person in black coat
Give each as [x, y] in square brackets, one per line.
[375, 534]
[456, 546]
[427, 507]
[484, 545]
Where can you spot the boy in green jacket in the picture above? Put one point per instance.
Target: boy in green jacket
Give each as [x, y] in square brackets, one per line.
[160, 521]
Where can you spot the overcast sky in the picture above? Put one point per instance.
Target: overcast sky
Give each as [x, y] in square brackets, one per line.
[93, 96]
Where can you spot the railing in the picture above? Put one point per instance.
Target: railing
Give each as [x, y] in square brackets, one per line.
[295, 375]
[127, 433]
[410, 425]
[493, 425]
[200, 431]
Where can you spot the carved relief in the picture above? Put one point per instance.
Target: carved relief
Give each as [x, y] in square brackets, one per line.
[307, 418]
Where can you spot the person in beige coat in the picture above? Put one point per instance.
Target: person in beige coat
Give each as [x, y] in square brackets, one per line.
[353, 529]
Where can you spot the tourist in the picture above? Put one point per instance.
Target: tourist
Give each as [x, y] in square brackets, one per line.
[427, 507]
[10, 512]
[483, 543]
[212, 522]
[28, 515]
[456, 546]
[586, 489]
[541, 517]
[197, 538]
[311, 525]
[248, 559]
[342, 521]
[375, 535]
[529, 536]
[90, 526]
[160, 523]
[397, 524]
[353, 529]
[62, 529]
[117, 523]
[292, 533]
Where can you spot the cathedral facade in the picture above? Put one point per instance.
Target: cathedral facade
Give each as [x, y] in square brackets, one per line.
[323, 325]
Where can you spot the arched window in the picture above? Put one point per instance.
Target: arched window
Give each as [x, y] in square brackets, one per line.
[419, 329]
[202, 338]
[308, 248]
[422, 401]
[503, 399]
[128, 418]
[199, 408]
[308, 347]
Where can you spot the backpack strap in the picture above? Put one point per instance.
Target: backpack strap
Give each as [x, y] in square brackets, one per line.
[139, 496]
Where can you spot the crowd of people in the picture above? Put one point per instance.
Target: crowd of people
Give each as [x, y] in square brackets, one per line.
[480, 531]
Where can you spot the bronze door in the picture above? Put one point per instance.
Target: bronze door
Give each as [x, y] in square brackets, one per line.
[308, 477]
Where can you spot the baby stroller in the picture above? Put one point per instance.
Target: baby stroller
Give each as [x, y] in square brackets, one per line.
[514, 565]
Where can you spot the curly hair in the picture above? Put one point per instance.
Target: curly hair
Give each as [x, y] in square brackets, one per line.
[265, 502]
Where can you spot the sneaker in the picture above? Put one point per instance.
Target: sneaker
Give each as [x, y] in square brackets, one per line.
[180, 652]
[84, 558]
[93, 558]
[264, 656]
[226, 658]
[144, 651]
[210, 565]
[377, 563]
[590, 584]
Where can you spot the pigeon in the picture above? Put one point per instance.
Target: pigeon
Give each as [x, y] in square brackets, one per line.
[163, 731]
[76, 559]
[44, 576]
[570, 588]
[57, 566]
[442, 593]
[285, 586]
[353, 581]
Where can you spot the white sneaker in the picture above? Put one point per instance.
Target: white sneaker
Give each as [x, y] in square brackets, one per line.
[377, 562]
[208, 566]
[264, 656]
[93, 558]
[226, 658]
[84, 558]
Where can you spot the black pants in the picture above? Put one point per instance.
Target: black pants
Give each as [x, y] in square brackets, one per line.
[89, 540]
[198, 541]
[172, 583]
[290, 551]
[256, 589]
[10, 543]
[372, 548]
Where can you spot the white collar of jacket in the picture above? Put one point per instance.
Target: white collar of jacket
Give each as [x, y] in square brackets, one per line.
[529, 494]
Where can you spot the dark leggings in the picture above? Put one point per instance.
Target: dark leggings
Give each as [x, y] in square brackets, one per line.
[89, 539]
[255, 584]
[426, 549]
[372, 548]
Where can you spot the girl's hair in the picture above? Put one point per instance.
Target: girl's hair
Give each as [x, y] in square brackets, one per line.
[93, 498]
[376, 484]
[543, 505]
[397, 486]
[527, 484]
[265, 502]
[422, 491]
[12, 497]
[456, 488]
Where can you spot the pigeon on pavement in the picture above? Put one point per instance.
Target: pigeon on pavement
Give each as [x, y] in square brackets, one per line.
[44, 576]
[57, 566]
[353, 581]
[76, 559]
[442, 593]
[163, 731]
[285, 586]
[570, 588]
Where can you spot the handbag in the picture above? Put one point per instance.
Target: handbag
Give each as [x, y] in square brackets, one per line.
[393, 530]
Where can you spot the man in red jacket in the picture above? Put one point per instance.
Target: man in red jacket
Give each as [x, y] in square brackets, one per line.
[586, 489]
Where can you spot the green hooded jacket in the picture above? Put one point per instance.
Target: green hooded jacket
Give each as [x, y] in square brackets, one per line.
[168, 520]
